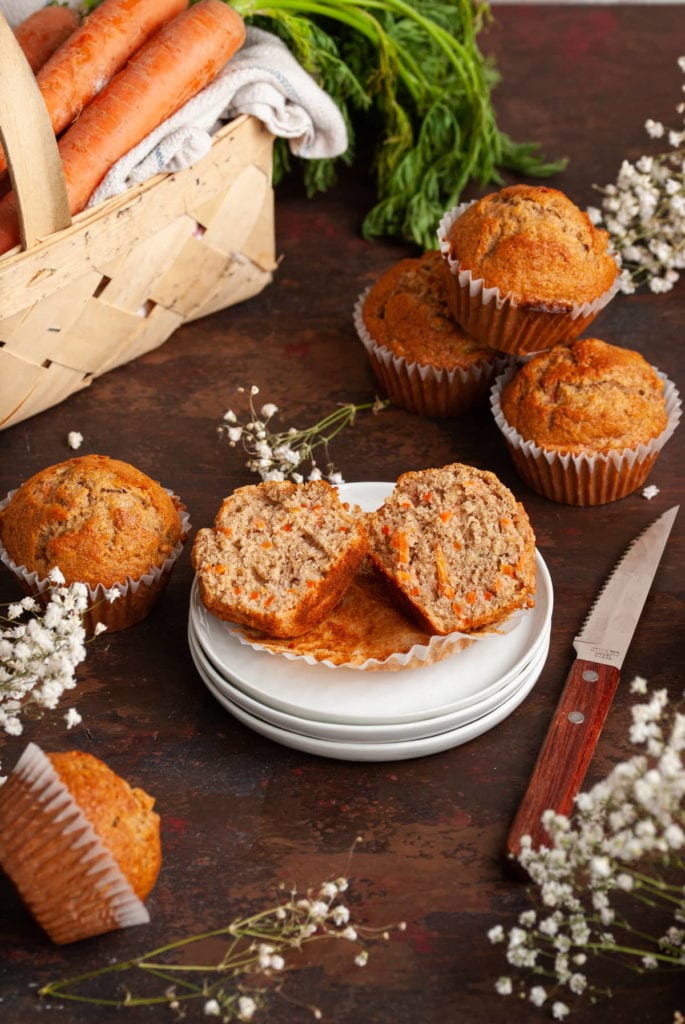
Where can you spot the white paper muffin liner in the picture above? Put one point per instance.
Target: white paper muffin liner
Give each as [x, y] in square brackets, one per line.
[495, 320]
[424, 389]
[137, 596]
[435, 649]
[64, 873]
[584, 479]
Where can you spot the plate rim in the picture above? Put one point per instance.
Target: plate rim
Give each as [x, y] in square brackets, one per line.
[402, 750]
[383, 731]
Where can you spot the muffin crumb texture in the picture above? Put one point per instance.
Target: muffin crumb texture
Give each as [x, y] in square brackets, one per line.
[457, 548]
[279, 556]
[98, 519]
[536, 246]
[588, 396]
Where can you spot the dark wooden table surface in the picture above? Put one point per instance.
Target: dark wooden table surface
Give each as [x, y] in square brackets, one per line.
[240, 814]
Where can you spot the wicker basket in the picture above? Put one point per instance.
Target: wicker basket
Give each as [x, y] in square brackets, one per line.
[80, 297]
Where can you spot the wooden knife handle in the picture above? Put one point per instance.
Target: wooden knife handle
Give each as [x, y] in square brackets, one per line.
[567, 750]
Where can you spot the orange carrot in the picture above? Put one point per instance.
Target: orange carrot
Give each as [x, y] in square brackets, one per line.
[442, 573]
[86, 61]
[179, 60]
[42, 32]
[400, 540]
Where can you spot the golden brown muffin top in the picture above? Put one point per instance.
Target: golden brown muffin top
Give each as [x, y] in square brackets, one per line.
[98, 519]
[588, 396]
[122, 816]
[536, 246]
[406, 311]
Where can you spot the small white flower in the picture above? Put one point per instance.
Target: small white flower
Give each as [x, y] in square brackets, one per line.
[650, 492]
[340, 915]
[577, 983]
[318, 910]
[74, 439]
[362, 958]
[212, 1008]
[112, 594]
[264, 954]
[72, 718]
[537, 995]
[268, 410]
[246, 1008]
[496, 934]
[674, 836]
[560, 1010]
[504, 986]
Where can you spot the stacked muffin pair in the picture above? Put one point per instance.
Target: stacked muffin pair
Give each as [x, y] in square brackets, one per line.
[519, 276]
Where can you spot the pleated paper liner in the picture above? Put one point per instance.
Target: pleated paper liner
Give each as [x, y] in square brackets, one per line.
[584, 479]
[64, 873]
[136, 598]
[425, 389]
[367, 631]
[497, 321]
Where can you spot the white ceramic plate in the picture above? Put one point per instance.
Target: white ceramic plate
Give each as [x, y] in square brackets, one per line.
[396, 751]
[349, 696]
[376, 733]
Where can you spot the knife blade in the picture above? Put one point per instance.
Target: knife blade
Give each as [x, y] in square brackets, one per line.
[600, 647]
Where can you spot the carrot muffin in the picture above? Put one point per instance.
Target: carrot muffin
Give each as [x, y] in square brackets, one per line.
[420, 356]
[528, 268]
[80, 844]
[279, 556]
[456, 547]
[585, 422]
[101, 522]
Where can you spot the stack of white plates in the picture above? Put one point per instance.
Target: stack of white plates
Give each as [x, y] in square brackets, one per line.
[357, 715]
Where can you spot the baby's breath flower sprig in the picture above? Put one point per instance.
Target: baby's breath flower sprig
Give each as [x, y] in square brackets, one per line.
[40, 648]
[644, 212]
[615, 865]
[289, 454]
[237, 984]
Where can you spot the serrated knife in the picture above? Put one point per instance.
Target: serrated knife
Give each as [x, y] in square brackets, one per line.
[600, 648]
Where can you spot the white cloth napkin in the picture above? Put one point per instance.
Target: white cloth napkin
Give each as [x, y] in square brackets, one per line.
[263, 79]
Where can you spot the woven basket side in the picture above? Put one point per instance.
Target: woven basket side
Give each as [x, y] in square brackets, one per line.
[126, 274]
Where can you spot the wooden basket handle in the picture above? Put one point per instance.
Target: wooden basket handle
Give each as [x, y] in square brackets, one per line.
[30, 146]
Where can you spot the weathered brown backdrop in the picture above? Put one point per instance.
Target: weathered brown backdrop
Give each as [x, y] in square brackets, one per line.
[241, 814]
